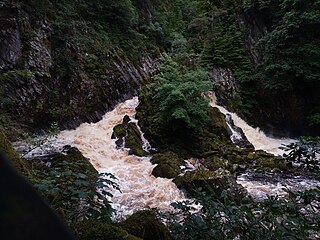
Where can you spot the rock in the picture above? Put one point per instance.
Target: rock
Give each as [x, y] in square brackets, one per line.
[146, 225]
[119, 132]
[134, 141]
[10, 47]
[212, 182]
[214, 163]
[270, 163]
[237, 135]
[127, 133]
[20, 164]
[225, 80]
[168, 165]
[93, 229]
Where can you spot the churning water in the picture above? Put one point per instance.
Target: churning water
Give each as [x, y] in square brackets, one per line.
[139, 188]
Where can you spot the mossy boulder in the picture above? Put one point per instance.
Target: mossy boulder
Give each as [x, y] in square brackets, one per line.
[119, 132]
[214, 163]
[213, 182]
[20, 164]
[146, 225]
[134, 141]
[128, 134]
[270, 163]
[218, 125]
[168, 165]
[96, 230]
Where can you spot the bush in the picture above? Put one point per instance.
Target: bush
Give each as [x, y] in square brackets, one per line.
[221, 218]
[305, 152]
[181, 94]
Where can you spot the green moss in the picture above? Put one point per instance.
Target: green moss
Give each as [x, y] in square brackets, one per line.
[119, 132]
[93, 229]
[133, 140]
[213, 182]
[168, 165]
[129, 132]
[214, 163]
[146, 225]
[273, 164]
[6, 147]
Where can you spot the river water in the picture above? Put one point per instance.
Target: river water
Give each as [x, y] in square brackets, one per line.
[261, 185]
[139, 188]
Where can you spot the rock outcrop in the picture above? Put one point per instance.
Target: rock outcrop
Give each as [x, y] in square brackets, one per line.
[48, 75]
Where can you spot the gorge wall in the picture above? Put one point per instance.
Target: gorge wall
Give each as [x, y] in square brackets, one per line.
[61, 70]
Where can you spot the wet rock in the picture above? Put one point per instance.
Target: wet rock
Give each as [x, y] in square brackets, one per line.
[237, 135]
[129, 136]
[168, 165]
[93, 229]
[214, 163]
[270, 163]
[146, 225]
[119, 132]
[218, 125]
[212, 182]
[133, 140]
[20, 164]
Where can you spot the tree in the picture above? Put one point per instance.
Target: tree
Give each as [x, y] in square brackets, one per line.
[181, 94]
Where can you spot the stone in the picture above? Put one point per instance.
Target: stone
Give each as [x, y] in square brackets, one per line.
[211, 182]
[168, 165]
[146, 225]
[94, 229]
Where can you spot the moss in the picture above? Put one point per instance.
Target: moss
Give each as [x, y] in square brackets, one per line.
[129, 132]
[20, 164]
[76, 163]
[133, 140]
[168, 165]
[119, 132]
[274, 164]
[146, 225]
[213, 182]
[93, 229]
[214, 163]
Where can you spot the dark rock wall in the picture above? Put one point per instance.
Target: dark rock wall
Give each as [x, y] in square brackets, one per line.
[277, 113]
[35, 90]
[10, 47]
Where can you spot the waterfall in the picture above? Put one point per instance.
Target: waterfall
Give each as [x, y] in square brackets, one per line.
[139, 188]
[261, 185]
[255, 136]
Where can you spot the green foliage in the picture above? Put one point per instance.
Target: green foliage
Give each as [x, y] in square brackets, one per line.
[74, 189]
[180, 93]
[305, 152]
[290, 52]
[220, 218]
[120, 14]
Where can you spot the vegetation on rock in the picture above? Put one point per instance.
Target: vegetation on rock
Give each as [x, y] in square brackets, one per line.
[221, 218]
[146, 225]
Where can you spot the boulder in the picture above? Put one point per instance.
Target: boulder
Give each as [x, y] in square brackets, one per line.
[146, 225]
[129, 136]
[168, 165]
[93, 229]
[212, 182]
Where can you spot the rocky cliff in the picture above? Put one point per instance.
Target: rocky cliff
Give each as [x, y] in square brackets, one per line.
[55, 72]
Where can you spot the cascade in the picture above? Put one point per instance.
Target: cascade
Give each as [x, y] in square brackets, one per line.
[258, 185]
[139, 188]
[255, 136]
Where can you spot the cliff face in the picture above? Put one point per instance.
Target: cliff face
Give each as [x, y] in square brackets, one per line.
[274, 75]
[48, 74]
